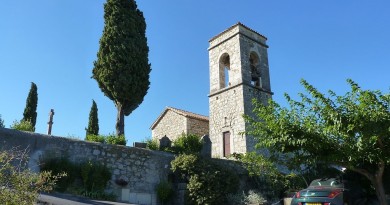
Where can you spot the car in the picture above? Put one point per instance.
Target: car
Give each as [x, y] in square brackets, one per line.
[325, 191]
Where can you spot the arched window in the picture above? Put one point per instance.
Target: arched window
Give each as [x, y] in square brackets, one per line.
[224, 70]
[255, 70]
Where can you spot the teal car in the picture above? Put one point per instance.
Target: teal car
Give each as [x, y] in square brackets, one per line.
[326, 191]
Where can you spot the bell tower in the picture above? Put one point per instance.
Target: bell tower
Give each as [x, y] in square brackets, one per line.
[238, 73]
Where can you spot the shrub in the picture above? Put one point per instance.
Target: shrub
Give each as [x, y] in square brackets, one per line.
[253, 197]
[95, 138]
[118, 140]
[18, 185]
[187, 144]
[209, 183]
[108, 139]
[23, 126]
[152, 144]
[87, 179]
[61, 165]
[164, 191]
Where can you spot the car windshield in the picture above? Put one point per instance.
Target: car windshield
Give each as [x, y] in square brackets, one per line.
[326, 182]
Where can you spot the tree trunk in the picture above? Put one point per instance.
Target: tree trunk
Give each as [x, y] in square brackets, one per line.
[379, 189]
[377, 181]
[120, 120]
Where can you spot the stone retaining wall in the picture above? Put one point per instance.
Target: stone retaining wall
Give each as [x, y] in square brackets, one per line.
[143, 169]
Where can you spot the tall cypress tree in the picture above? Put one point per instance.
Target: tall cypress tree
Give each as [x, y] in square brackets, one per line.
[122, 67]
[30, 111]
[93, 123]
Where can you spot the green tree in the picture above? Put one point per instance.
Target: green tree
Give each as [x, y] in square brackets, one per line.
[352, 131]
[122, 67]
[93, 123]
[1, 122]
[30, 111]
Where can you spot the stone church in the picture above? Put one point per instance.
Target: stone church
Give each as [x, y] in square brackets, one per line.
[239, 72]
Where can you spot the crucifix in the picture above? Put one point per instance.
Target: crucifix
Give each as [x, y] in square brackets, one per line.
[50, 123]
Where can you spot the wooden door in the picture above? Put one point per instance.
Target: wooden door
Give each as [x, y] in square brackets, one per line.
[226, 144]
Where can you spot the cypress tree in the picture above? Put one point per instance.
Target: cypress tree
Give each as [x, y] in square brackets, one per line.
[122, 67]
[30, 111]
[93, 123]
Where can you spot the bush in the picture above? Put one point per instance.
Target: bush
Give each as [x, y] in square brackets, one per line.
[18, 185]
[95, 176]
[95, 138]
[152, 144]
[108, 139]
[164, 191]
[209, 183]
[61, 165]
[187, 144]
[253, 197]
[87, 179]
[23, 126]
[118, 140]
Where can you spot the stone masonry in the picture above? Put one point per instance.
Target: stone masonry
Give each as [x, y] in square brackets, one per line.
[143, 169]
[241, 54]
[174, 122]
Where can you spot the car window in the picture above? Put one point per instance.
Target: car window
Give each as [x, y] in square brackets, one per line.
[326, 182]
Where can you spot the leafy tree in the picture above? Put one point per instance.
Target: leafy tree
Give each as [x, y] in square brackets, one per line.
[30, 111]
[18, 185]
[1, 122]
[350, 131]
[93, 123]
[122, 68]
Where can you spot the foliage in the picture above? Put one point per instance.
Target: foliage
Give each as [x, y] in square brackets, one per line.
[122, 67]
[61, 165]
[93, 123]
[30, 111]
[187, 144]
[263, 173]
[208, 182]
[164, 191]
[108, 139]
[152, 144]
[350, 131]
[22, 126]
[118, 140]
[96, 138]
[253, 197]
[93, 177]
[18, 185]
[1, 123]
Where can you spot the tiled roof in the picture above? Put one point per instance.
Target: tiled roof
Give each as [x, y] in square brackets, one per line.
[180, 112]
[238, 23]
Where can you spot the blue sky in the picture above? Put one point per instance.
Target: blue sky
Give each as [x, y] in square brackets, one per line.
[54, 43]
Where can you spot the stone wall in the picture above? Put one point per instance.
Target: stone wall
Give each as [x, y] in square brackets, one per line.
[171, 125]
[143, 169]
[197, 127]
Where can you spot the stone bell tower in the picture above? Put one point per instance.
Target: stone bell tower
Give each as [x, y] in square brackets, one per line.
[238, 73]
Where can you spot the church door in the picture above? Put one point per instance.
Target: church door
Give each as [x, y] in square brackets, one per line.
[226, 144]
